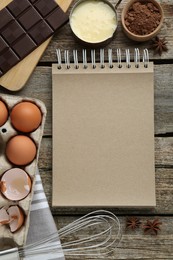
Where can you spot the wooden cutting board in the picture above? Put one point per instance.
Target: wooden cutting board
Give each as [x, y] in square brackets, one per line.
[16, 78]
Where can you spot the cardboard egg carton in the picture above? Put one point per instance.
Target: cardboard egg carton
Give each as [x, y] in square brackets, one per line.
[7, 131]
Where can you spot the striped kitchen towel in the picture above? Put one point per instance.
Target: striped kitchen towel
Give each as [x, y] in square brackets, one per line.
[42, 225]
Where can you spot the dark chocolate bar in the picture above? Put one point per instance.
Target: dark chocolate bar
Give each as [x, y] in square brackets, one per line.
[24, 25]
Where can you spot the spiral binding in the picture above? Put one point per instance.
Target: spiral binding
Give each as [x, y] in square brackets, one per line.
[67, 59]
[146, 58]
[93, 59]
[84, 54]
[110, 58]
[137, 58]
[102, 58]
[119, 58]
[111, 62]
[128, 58]
[75, 57]
[58, 54]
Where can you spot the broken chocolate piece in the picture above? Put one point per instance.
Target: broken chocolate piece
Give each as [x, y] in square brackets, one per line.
[3, 45]
[45, 7]
[16, 7]
[5, 18]
[20, 46]
[39, 32]
[29, 18]
[24, 25]
[12, 32]
[8, 59]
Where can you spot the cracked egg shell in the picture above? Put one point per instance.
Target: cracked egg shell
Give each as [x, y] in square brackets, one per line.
[26, 117]
[3, 113]
[16, 218]
[21, 150]
[4, 217]
[15, 184]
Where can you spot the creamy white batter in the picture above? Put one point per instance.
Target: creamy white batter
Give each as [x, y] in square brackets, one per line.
[93, 21]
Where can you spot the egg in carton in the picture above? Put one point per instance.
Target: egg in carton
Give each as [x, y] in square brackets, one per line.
[22, 122]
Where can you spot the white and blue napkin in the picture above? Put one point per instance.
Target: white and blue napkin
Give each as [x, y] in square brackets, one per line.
[42, 224]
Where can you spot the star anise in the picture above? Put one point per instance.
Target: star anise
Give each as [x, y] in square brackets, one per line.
[132, 222]
[152, 227]
[159, 45]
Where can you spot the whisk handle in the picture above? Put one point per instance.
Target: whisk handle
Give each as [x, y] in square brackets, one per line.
[10, 254]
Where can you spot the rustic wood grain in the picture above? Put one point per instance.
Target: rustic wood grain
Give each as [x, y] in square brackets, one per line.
[135, 244]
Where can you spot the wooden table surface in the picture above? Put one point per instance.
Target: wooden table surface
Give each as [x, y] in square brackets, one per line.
[134, 244]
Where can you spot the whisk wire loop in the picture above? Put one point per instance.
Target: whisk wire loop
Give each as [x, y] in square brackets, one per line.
[100, 234]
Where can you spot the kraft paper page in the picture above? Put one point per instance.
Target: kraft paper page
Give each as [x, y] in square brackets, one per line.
[103, 137]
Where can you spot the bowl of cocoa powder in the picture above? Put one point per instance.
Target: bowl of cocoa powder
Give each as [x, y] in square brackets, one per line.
[142, 19]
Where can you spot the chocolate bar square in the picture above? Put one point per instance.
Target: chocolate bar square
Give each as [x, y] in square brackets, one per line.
[12, 32]
[29, 18]
[24, 46]
[45, 7]
[18, 6]
[7, 60]
[5, 18]
[3, 45]
[33, 1]
[56, 19]
[24, 25]
[40, 32]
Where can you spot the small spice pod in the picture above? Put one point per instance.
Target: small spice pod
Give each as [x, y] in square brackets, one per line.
[21, 128]
[142, 19]
[152, 227]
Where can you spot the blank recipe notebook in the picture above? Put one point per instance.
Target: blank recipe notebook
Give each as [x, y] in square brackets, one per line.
[103, 135]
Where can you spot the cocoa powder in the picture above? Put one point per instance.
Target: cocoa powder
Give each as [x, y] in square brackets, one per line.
[142, 18]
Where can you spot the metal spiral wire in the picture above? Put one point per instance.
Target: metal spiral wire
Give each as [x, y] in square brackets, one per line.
[111, 61]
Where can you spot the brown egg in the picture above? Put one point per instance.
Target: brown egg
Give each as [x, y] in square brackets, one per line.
[15, 184]
[26, 117]
[21, 150]
[16, 218]
[3, 113]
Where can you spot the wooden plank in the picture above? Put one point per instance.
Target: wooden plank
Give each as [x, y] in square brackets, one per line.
[64, 4]
[164, 179]
[17, 77]
[39, 86]
[134, 244]
[163, 98]
[64, 39]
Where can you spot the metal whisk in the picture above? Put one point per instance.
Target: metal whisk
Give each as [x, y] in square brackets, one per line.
[99, 232]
